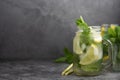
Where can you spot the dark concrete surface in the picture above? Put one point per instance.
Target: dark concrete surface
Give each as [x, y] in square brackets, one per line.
[40, 29]
[44, 70]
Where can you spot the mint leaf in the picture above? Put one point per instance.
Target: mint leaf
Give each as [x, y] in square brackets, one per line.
[117, 29]
[67, 52]
[67, 58]
[61, 59]
[111, 32]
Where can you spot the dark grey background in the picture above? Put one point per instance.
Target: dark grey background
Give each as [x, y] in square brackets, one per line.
[40, 29]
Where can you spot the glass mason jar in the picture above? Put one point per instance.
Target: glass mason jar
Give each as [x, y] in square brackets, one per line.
[87, 57]
[111, 50]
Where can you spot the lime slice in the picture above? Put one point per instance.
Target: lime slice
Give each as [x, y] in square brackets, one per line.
[91, 56]
[76, 44]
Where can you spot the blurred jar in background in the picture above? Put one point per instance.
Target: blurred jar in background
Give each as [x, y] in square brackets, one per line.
[104, 28]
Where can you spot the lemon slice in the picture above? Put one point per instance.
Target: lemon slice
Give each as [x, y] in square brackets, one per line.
[76, 44]
[98, 39]
[91, 56]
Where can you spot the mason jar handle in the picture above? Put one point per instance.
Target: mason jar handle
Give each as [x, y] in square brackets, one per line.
[110, 52]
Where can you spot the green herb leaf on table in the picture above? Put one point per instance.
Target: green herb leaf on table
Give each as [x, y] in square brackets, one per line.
[61, 59]
[67, 58]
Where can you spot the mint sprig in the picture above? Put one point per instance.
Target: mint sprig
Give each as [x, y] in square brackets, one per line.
[113, 34]
[67, 58]
[82, 24]
[85, 34]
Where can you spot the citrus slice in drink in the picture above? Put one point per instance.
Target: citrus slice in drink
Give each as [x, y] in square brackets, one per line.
[91, 55]
[76, 44]
[97, 37]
